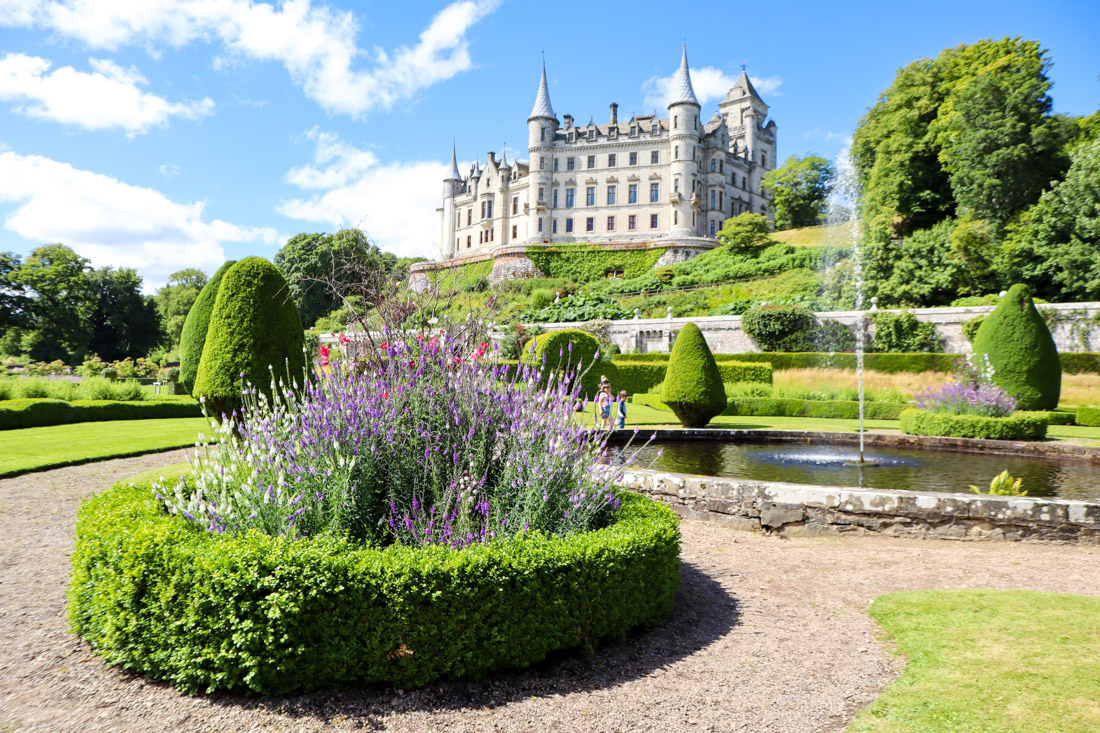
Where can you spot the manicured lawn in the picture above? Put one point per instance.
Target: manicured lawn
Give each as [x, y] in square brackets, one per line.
[167, 473]
[33, 449]
[984, 660]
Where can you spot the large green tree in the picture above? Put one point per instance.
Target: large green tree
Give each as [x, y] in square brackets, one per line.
[745, 232]
[124, 323]
[174, 301]
[56, 279]
[800, 190]
[314, 263]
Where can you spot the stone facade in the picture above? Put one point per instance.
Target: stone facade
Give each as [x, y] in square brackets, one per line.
[648, 179]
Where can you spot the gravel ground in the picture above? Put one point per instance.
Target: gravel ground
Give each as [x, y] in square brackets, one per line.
[768, 634]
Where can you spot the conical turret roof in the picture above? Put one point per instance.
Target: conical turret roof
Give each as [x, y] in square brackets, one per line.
[744, 83]
[542, 106]
[682, 91]
[455, 175]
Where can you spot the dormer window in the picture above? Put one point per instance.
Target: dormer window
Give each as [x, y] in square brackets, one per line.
[591, 133]
[633, 130]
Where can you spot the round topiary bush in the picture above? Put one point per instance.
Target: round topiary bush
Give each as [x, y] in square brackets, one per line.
[693, 386]
[193, 336]
[1021, 351]
[570, 346]
[254, 327]
[262, 614]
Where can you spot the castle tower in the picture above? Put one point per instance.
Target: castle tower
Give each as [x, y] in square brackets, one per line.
[744, 113]
[685, 132]
[541, 127]
[452, 186]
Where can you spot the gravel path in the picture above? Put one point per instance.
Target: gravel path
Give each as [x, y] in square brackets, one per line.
[768, 635]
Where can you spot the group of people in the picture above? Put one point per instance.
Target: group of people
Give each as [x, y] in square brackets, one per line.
[607, 405]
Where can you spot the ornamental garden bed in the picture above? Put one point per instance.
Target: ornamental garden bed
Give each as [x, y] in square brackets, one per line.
[260, 614]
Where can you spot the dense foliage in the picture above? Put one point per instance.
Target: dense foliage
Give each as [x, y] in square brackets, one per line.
[1016, 343]
[794, 328]
[584, 263]
[1018, 426]
[558, 351]
[254, 335]
[579, 307]
[693, 386]
[174, 302]
[261, 614]
[903, 333]
[800, 190]
[195, 327]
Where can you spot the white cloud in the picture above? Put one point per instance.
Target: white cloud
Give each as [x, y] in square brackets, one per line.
[316, 44]
[108, 97]
[827, 135]
[389, 202]
[114, 223]
[708, 82]
[169, 170]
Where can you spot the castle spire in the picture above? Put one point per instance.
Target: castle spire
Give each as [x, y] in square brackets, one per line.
[455, 175]
[682, 91]
[542, 101]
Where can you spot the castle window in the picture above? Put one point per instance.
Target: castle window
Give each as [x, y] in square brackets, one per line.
[610, 195]
[654, 192]
[744, 182]
[590, 196]
[542, 194]
[720, 204]
[654, 157]
[713, 165]
[633, 130]
[540, 223]
[569, 198]
[611, 160]
[469, 216]
[555, 193]
[515, 204]
[554, 226]
[721, 167]
[589, 224]
[676, 185]
[514, 231]
[467, 241]
[591, 161]
[632, 194]
[610, 223]
[542, 134]
[696, 122]
[569, 164]
[570, 136]
[633, 159]
[615, 273]
[676, 218]
[555, 165]
[489, 208]
[764, 160]
[591, 133]
[568, 226]
[713, 196]
[631, 222]
[481, 237]
[694, 218]
[712, 227]
[675, 122]
[482, 209]
[652, 221]
[676, 153]
[542, 163]
[492, 235]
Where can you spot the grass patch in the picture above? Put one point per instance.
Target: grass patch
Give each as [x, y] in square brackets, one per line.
[811, 236]
[34, 449]
[985, 660]
[173, 471]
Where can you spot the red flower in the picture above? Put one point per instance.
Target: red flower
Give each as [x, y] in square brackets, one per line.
[324, 354]
[344, 339]
[385, 344]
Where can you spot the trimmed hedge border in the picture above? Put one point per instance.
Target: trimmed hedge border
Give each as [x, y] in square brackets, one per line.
[1088, 416]
[640, 377]
[39, 413]
[261, 614]
[1018, 426]
[780, 407]
[889, 363]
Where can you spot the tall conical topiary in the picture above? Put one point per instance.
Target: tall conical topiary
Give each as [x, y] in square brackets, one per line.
[1021, 351]
[693, 387]
[193, 336]
[254, 327]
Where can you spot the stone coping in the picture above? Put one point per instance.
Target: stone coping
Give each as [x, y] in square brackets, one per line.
[1027, 448]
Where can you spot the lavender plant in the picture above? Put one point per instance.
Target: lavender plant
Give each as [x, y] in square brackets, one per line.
[421, 447]
[972, 393]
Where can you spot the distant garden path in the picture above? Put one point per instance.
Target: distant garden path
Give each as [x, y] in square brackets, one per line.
[768, 635]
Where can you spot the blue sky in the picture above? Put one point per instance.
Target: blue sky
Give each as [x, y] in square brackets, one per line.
[165, 134]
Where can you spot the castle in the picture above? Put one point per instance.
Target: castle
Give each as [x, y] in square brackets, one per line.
[665, 181]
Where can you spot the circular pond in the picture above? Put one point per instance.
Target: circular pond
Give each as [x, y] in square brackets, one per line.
[887, 468]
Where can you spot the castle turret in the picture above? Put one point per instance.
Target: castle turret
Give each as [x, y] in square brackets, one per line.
[541, 127]
[685, 133]
[452, 186]
[745, 113]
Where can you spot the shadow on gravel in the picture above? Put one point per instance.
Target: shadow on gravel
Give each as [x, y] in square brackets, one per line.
[704, 612]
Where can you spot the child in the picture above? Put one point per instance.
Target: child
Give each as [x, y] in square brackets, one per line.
[604, 402]
[622, 409]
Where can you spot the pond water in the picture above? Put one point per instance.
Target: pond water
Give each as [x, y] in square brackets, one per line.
[911, 470]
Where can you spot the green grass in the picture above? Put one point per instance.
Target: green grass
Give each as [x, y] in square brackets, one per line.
[807, 236]
[34, 449]
[172, 471]
[984, 660]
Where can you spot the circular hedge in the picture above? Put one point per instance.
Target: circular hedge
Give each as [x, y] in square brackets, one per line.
[260, 614]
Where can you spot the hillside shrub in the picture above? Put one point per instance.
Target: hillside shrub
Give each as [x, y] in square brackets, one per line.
[1021, 351]
[970, 328]
[37, 413]
[587, 263]
[261, 614]
[579, 307]
[254, 332]
[1088, 416]
[780, 327]
[693, 386]
[903, 333]
[1018, 426]
[830, 336]
[195, 326]
[569, 349]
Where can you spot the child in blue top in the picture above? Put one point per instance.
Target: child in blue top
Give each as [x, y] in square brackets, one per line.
[622, 409]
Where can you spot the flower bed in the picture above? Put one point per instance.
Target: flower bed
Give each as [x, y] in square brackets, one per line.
[1017, 426]
[35, 413]
[254, 613]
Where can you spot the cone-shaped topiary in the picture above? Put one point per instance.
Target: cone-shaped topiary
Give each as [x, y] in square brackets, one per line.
[254, 326]
[193, 336]
[693, 387]
[1021, 351]
[569, 346]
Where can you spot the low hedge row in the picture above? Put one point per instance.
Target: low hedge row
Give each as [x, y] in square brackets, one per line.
[638, 377]
[253, 613]
[1018, 426]
[1088, 416]
[37, 413]
[1080, 363]
[890, 363]
[779, 407]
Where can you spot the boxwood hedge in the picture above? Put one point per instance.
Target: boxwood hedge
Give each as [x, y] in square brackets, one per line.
[1088, 416]
[37, 413]
[260, 614]
[1018, 426]
[890, 363]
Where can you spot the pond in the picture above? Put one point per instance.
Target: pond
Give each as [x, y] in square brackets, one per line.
[900, 469]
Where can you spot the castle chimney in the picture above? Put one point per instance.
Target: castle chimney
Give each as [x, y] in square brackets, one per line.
[614, 113]
[492, 157]
[568, 120]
